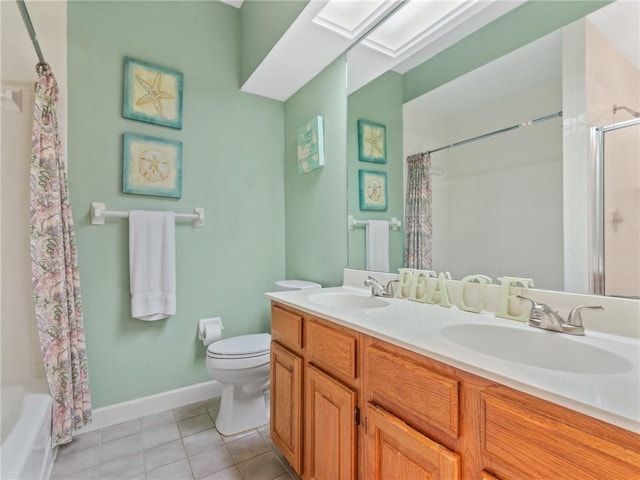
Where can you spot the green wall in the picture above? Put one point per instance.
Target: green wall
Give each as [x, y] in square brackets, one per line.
[233, 167]
[316, 203]
[262, 23]
[380, 101]
[522, 25]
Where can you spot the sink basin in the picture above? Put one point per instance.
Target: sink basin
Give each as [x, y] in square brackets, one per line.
[347, 300]
[536, 348]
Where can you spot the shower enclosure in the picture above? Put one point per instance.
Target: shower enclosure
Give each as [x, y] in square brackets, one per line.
[615, 231]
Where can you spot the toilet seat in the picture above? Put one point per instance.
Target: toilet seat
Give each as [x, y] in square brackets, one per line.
[241, 346]
[245, 351]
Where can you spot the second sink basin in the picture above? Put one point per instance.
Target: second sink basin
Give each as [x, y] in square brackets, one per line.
[347, 300]
[553, 351]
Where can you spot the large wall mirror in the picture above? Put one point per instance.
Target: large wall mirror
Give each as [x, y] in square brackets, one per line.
[521, 202]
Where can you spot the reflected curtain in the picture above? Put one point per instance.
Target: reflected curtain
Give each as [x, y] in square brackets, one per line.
[54, 268]
[417, 250]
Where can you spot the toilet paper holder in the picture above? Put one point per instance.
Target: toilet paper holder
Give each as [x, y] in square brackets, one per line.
[205, 323]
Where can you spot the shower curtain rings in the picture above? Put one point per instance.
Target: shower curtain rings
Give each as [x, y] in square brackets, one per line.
[43, 68]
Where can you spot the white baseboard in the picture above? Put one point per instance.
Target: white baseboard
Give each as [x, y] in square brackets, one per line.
[140, 407]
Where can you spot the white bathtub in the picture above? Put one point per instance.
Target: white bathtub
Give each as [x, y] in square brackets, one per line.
[25, 452]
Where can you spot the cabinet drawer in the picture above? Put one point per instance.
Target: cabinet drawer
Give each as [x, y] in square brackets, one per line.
[332, 348]
[286, 327]
[410, 391]
[520, 442]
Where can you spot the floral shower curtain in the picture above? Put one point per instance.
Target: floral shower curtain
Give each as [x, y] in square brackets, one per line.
[417, 250]
[54, 268]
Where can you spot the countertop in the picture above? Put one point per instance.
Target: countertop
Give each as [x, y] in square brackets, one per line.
[613, 398]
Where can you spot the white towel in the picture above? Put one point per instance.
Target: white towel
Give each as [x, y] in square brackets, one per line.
[378, 245]
[152, 264]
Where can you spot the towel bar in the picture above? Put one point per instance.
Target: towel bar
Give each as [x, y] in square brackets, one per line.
[394, 224]
[99, 212]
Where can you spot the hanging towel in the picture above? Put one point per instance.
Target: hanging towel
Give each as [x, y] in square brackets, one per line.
[378, 245]
[152, 264]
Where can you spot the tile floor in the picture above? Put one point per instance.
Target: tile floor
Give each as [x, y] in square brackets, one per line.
[177, 444]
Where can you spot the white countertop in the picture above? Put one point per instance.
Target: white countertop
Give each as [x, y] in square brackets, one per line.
[613, 398]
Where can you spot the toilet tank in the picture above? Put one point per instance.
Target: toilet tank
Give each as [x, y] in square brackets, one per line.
[282, 285]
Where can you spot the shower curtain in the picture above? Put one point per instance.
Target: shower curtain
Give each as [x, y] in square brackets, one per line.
[54, 269]
[417, 250]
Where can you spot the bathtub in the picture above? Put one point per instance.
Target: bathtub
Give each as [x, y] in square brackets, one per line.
[25, 452]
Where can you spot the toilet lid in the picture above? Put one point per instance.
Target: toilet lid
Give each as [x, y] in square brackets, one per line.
[242, 345]
[296, 284]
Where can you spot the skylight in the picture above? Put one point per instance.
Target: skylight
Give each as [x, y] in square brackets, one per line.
[350, 18]
[412, 23]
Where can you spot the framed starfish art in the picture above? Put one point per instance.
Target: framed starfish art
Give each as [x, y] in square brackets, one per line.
[372, 142]
[152, 93]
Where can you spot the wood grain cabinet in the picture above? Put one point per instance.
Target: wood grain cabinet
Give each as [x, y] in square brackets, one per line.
[330, 427]
[287, 385]
[314, 395]
[286, 404]
[332, 387]
[520, 440]
[395, 450]
[348, 406]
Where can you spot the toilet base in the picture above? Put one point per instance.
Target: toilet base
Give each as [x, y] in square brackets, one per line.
[240, 411]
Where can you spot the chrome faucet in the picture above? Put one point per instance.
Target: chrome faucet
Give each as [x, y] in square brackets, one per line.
[543, 316]
[575, 317]
[379, 290]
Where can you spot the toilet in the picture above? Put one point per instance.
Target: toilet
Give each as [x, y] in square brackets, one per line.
[241, 365]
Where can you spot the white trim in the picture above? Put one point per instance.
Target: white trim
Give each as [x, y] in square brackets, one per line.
[122, 412]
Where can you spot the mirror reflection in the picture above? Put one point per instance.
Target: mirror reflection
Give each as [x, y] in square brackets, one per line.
[617, 208]
[517, 203]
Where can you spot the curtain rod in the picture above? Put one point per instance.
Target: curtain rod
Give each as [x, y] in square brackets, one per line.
[502, 130]
[29, 26]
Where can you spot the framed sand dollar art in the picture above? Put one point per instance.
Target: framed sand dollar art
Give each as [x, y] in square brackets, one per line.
[373, 190]
[152, 166]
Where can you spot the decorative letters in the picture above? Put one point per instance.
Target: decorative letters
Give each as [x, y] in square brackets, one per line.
[425, 286]
[506, 306]
[482, 281]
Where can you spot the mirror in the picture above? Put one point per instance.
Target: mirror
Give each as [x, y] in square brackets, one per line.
[517, 203]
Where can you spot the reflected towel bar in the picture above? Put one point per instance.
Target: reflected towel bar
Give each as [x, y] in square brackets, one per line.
[394, 224]
[99, 212]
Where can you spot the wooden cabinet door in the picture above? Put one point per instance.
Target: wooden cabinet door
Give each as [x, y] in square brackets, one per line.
[522, 438]
[394, 450]
[484, 475]
[330, 438]
[286, 404]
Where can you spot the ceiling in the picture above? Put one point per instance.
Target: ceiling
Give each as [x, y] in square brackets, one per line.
[309, 46]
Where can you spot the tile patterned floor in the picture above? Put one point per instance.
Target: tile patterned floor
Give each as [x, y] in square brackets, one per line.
[177, 444]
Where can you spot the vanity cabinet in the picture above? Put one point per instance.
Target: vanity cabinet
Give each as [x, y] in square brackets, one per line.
[331, 437]
[395, 450]
[286, 404]
[315, 385]
[287, 385]
[524, 438]
[421, 418]
[332, 385]
[412, 423]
